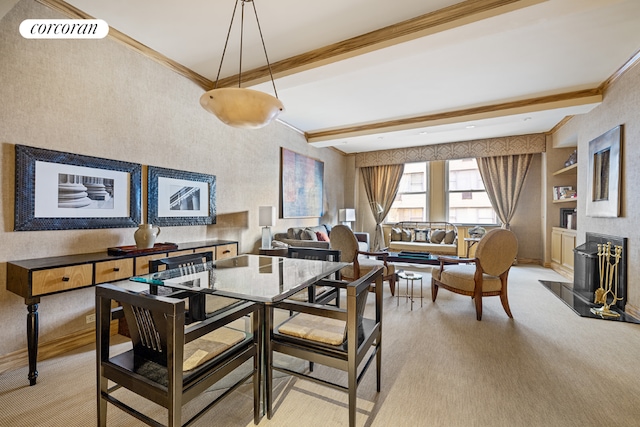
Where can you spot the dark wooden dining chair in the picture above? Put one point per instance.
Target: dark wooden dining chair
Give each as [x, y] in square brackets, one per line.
[315, 293]
[331, 336]
[169, 364]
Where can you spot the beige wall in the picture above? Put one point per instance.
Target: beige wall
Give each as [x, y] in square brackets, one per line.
[100, 98]
[620, 106]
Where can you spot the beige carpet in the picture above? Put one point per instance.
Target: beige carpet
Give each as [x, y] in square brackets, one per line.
[546, 367]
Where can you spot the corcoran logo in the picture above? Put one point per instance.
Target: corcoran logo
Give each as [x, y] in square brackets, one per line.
[64, 29]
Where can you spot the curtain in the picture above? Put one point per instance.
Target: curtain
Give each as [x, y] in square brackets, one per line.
[503, 178]
[381, 184]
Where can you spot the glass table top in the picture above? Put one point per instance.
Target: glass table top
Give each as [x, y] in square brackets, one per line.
[250, 277]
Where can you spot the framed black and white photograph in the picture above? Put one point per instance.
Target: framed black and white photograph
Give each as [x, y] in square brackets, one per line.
[180, 198]
[60, 191]
[603, 182]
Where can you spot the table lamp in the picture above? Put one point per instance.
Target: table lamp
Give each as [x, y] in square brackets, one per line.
[346, 216]
[266, 219]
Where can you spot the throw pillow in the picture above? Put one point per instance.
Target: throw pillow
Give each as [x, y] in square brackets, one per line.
[449, 237]
[421, 235]
[406, 235]
[279, 244]
[322, 237]
[396, 236]
[308, 234]
[437, 236]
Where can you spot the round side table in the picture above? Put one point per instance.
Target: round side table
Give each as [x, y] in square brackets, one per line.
[409, 277]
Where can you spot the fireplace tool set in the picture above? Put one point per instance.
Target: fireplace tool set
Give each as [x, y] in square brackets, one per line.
[608, 260]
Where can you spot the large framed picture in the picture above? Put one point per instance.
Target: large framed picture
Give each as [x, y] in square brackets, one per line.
[603, 182]
[302, 185]
[180, 198]
[59, 191]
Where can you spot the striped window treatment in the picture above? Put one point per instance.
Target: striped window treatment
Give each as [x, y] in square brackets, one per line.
[503, 178]
[381, 184]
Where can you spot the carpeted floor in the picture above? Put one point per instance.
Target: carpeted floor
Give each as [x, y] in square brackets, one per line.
[546, 367]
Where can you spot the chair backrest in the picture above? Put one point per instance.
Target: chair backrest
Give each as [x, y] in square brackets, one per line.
[343, 239]
[360, 290]
[154, 322]
[182, 261]
[497, 250]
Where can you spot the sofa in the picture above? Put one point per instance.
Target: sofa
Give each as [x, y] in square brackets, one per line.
[314, 237]
[440, 238]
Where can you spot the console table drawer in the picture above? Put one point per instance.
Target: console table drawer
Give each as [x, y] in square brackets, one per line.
[226, 251]
[110, 271]
[61, 279]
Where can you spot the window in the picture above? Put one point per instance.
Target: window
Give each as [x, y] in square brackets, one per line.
[468, 201]
[411, 202]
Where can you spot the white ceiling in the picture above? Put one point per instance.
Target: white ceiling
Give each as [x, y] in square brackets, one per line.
[458, 76]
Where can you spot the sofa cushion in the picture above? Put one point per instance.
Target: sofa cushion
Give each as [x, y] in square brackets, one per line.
[406, 234]
[449, 237]
[396, 235]
[308, 234]
[437, 236]
[322, 237]
[294, 233]
[421, 234]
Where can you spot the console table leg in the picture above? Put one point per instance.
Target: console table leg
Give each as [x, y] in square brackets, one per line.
[32, 341]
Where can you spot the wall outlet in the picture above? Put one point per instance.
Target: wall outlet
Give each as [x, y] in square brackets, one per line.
[91, 318]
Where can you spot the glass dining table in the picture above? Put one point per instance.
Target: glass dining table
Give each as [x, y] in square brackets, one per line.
[261, 279]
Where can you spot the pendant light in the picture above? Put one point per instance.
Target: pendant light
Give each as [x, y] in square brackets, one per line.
[240, 107]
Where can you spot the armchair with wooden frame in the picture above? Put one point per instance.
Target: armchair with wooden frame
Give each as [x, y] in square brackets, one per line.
[343, 239]
[483, 276]
[340, 338]
[169, 364]
[314, 293]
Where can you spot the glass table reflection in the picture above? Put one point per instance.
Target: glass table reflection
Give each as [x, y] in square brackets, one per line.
[249, 277]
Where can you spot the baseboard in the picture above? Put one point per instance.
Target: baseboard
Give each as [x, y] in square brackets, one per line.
[49, 349]
[562, 270]
[529, 261]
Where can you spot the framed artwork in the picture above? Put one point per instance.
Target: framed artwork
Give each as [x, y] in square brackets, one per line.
[301, 182]
[603, 181]
[180, 198]
[60, 191]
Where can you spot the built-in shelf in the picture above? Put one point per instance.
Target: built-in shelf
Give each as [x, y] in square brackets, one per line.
[566, 200]
[568, 169]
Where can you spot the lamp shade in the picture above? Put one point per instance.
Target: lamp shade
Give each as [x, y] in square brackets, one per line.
[242, 108]
[347, 215]
[267, 216]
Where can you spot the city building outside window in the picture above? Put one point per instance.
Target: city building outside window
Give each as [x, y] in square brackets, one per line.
[411, 201]
[467, 200]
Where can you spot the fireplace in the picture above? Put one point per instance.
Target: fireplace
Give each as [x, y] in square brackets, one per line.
[579, 295]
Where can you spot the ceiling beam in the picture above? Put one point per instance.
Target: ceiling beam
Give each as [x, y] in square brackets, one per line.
[582, 97]
[456, 15]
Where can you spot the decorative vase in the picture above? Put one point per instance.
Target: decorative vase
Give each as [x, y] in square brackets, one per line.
[146, 235]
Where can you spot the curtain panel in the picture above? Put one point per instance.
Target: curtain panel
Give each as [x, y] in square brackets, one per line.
[503, 178]
[381, 184]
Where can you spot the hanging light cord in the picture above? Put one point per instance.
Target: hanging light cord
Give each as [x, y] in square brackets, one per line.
[215, 86]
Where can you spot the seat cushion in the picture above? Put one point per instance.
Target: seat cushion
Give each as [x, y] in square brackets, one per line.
[315, 328]
[461, 277]
[366, 265]
[209, 346]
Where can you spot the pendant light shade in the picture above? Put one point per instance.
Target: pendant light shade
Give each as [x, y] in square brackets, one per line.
[241, 107]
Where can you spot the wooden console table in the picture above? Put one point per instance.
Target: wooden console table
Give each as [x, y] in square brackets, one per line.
[35, 278]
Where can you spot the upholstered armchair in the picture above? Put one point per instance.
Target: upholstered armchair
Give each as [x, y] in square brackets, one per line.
[344, 240]
[483, 276]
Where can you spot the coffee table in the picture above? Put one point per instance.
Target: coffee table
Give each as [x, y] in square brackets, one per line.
[413, 257]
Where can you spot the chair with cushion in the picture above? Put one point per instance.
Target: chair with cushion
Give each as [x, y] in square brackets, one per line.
[317, 294]
[343, 239]
[485, 275]
[169, 364]
[199, 305]
[330, 336]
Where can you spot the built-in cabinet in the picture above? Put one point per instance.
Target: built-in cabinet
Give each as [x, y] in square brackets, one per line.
[562, 243]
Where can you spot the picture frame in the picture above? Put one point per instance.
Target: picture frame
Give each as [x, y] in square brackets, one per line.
[178, 197]
[566, 217]
[56, 190]
[603, 181]
[562, 192]
[301, 183]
